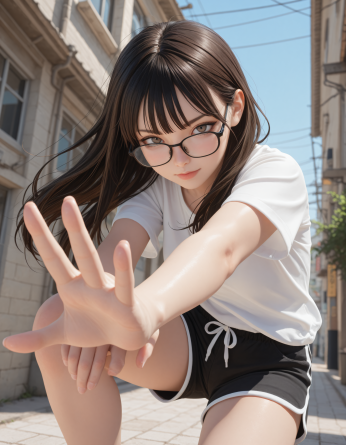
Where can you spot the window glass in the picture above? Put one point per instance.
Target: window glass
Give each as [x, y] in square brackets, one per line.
[66, 129]
[107, 13]
[10, 114]
[78, 152]
[63, 158]
[97, 5]
[15, 82]
[138, 20]
[68, 136]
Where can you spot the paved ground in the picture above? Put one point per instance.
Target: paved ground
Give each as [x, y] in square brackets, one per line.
[147, 421]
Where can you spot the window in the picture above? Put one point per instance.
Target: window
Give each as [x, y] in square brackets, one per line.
[12, 94]
[138, 20]
[68, 136]
[104, 8]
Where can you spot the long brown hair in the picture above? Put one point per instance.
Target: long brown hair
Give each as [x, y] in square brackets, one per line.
[184, 55]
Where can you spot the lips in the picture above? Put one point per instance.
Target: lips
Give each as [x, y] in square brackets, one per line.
[188, 175]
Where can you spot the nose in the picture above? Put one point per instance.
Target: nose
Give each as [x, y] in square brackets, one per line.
[180, 158]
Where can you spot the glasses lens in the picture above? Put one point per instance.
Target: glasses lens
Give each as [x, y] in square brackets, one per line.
[151, 155]
[202, 144]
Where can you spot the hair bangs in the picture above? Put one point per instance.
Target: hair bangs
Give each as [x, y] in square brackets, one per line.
[155, 86]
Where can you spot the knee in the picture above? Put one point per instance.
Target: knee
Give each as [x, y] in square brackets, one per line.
[50, 311]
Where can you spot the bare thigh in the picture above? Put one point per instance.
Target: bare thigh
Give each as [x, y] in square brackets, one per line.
[167, 367]
[249, 420]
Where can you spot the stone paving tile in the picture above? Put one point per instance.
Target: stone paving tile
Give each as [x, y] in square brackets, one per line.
[147, 421]
[13, 436]
[43, 440]
[142, 442]
[158, 436]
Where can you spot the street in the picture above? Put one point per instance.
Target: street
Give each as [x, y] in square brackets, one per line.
[148, 421]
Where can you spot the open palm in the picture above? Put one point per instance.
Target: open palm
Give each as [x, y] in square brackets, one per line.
[99, 309]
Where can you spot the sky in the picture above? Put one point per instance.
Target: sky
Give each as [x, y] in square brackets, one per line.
[279, 74]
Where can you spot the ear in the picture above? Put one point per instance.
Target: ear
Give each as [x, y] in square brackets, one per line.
[237, 107]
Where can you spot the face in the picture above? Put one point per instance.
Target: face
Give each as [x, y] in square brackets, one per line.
[193, 173]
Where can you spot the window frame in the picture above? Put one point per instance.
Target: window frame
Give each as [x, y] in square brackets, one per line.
[138, 6]
[76, 127]
[23, 99]
[102, 11]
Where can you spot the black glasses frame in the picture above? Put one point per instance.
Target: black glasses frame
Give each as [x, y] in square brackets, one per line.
[219, 134]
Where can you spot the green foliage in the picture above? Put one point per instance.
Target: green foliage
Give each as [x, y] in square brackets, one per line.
[334, 242]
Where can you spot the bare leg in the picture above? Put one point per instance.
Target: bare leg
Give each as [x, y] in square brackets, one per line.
[95, 416]
[249, 420]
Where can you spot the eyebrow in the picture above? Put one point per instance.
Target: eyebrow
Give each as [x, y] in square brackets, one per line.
[189, 123]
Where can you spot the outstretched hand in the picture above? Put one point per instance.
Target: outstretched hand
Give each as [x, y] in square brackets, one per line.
[99, 308]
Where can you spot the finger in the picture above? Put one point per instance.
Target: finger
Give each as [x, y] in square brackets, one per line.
[85, 253]
[97, 366]
[32, 341]
[124, 278]
[54, 258]
[65, 349]
[117, 360]
[84, 367]
[73, 360]
[146, 351]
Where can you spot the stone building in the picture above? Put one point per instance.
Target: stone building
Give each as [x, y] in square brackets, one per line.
[328, 83]
[55, 61]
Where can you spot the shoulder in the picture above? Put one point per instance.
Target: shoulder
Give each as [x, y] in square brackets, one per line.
[267, 160]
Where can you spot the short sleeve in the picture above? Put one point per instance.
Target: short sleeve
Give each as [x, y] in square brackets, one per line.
[146, 210]
[273, 183]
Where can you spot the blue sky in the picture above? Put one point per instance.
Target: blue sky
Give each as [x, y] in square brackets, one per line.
[279, 74]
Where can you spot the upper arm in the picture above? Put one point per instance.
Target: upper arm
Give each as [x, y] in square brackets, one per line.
[123, 229]
[242, 229]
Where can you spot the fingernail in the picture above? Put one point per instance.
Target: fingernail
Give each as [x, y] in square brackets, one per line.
[91, 385]
[74, 377]
[3, 341]
[81, 390]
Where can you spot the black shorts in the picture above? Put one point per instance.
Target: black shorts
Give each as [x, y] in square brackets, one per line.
[257, 365]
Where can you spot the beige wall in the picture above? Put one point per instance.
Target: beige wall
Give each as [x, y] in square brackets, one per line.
[23, 290]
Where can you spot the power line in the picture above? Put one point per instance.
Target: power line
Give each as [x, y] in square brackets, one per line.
[292, 148]
[288, 7]
[260, 20]
[245, 9]
[206, 15]
[290, 131]
[270, 43]
[292, 140]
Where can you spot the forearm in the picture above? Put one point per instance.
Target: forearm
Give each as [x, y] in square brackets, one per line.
[191, 274]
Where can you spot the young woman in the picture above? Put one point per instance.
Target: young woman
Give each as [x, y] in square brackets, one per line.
[228, 315]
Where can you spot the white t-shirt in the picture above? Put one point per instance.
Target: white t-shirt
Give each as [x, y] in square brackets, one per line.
[269, 291]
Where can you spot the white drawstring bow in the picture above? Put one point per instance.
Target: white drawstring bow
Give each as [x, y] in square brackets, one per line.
[218, 331]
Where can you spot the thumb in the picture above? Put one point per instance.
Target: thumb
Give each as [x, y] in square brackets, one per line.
[146, 351]
[34, 340]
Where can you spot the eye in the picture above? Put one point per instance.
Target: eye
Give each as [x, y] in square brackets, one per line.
[152, 140]
[203, 128]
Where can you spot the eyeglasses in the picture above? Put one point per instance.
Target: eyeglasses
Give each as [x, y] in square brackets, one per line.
[196, 146]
